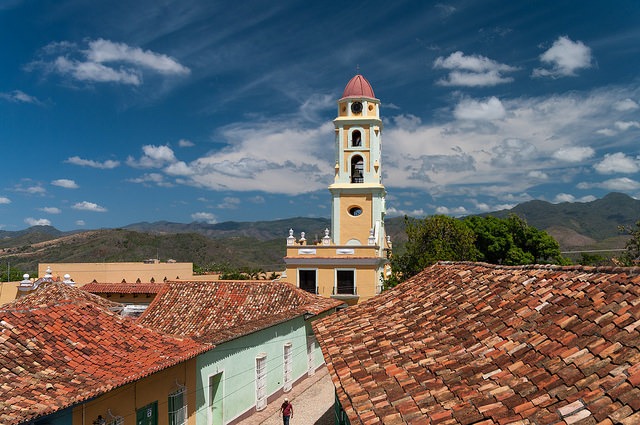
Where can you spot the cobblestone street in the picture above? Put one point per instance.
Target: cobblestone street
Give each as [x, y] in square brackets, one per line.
[312, 403]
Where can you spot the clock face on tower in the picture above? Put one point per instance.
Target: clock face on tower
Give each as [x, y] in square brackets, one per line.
[356, 107]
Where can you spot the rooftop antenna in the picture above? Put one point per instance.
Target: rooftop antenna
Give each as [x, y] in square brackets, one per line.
[357, 69]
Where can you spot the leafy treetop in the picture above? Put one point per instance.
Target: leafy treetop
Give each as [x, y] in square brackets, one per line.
[508, 241]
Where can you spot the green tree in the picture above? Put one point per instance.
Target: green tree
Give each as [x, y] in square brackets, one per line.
[434, 238]
[15, 274]
[511, 241]
[587, 259]
[632, 253]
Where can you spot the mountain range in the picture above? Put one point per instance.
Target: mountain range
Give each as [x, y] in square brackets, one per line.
[576, 226]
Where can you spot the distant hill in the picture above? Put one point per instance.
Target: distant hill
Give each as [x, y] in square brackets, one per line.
[262, 230]
[125, 245]
[576, 226]
[45, 230]
[581, 224]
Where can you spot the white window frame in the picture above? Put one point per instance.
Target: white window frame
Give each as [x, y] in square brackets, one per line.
[335, 280]
[307, 269]
[261, 381]
[287, 366]
[311, 355]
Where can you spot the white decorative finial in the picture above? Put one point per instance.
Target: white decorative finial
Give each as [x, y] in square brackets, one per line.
[48, 272]
[372, 239]
[67, 280]
[291, 239]
[326, 240]
[302, 238]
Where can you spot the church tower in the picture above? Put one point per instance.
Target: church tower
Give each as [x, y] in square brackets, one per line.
[357, 195]
[348, 263]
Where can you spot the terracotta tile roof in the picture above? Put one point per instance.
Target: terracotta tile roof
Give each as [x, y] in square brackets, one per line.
[222, 310]
[57, 355]
[57, 292]
[464, 343]
[123, 288]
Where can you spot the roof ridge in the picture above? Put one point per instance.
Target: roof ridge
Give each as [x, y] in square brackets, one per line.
[574, 267]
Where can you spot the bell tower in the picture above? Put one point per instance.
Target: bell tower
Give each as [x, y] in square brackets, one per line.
[357, 194]
[348, 263]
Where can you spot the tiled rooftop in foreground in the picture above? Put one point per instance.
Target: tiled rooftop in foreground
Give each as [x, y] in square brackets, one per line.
[469, 343]
[57, 351]
[223, 310]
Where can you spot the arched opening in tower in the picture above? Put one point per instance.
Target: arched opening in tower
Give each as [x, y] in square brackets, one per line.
[357, 169]
[356, 138]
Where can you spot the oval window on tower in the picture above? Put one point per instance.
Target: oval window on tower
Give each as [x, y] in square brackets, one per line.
[355, 211]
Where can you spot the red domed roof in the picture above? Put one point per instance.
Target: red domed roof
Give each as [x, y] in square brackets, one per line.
[358, 87]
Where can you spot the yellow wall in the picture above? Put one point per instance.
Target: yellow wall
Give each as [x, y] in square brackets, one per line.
[355, 227]
[124, 401]
[366, 279]
[82, 273]
[8, 291]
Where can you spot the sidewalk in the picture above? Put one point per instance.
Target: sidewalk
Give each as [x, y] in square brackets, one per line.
[312, 402]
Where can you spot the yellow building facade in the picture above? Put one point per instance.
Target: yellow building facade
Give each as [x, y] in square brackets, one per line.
[167, 397]
[349, 262]
[130, 272]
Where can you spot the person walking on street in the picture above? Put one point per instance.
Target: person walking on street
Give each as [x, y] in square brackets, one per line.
[286, 411]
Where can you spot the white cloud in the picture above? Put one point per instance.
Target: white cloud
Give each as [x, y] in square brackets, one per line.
[394, 212]
[32, 190]
[183, 143]
[88, 206]
[4, 200]
[617, 163]
[96, 72]
[156, 178]
[204, 216]
[564, 57]
[607, 132]
[625, 125]
[567, 197]
[230, 203]
[20, 96]
[80, 223]
[549, 134]
[472, 71]
[66, 183]
[101, 51]
[179, 168]
[108, 164]
[154, 157]
[105, 61]
[457, 211]
[625, 105]
[573, 153]
[37, 222]
[500, 207]
[489, 110]
[257, 199]
[248, 162]
[536, 174]
[620, 184]
[563, 197]
[50, 210]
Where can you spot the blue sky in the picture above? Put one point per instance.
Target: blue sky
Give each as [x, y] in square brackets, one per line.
[115, 112]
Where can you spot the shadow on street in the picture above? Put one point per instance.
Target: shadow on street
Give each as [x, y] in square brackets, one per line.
[326, 418]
